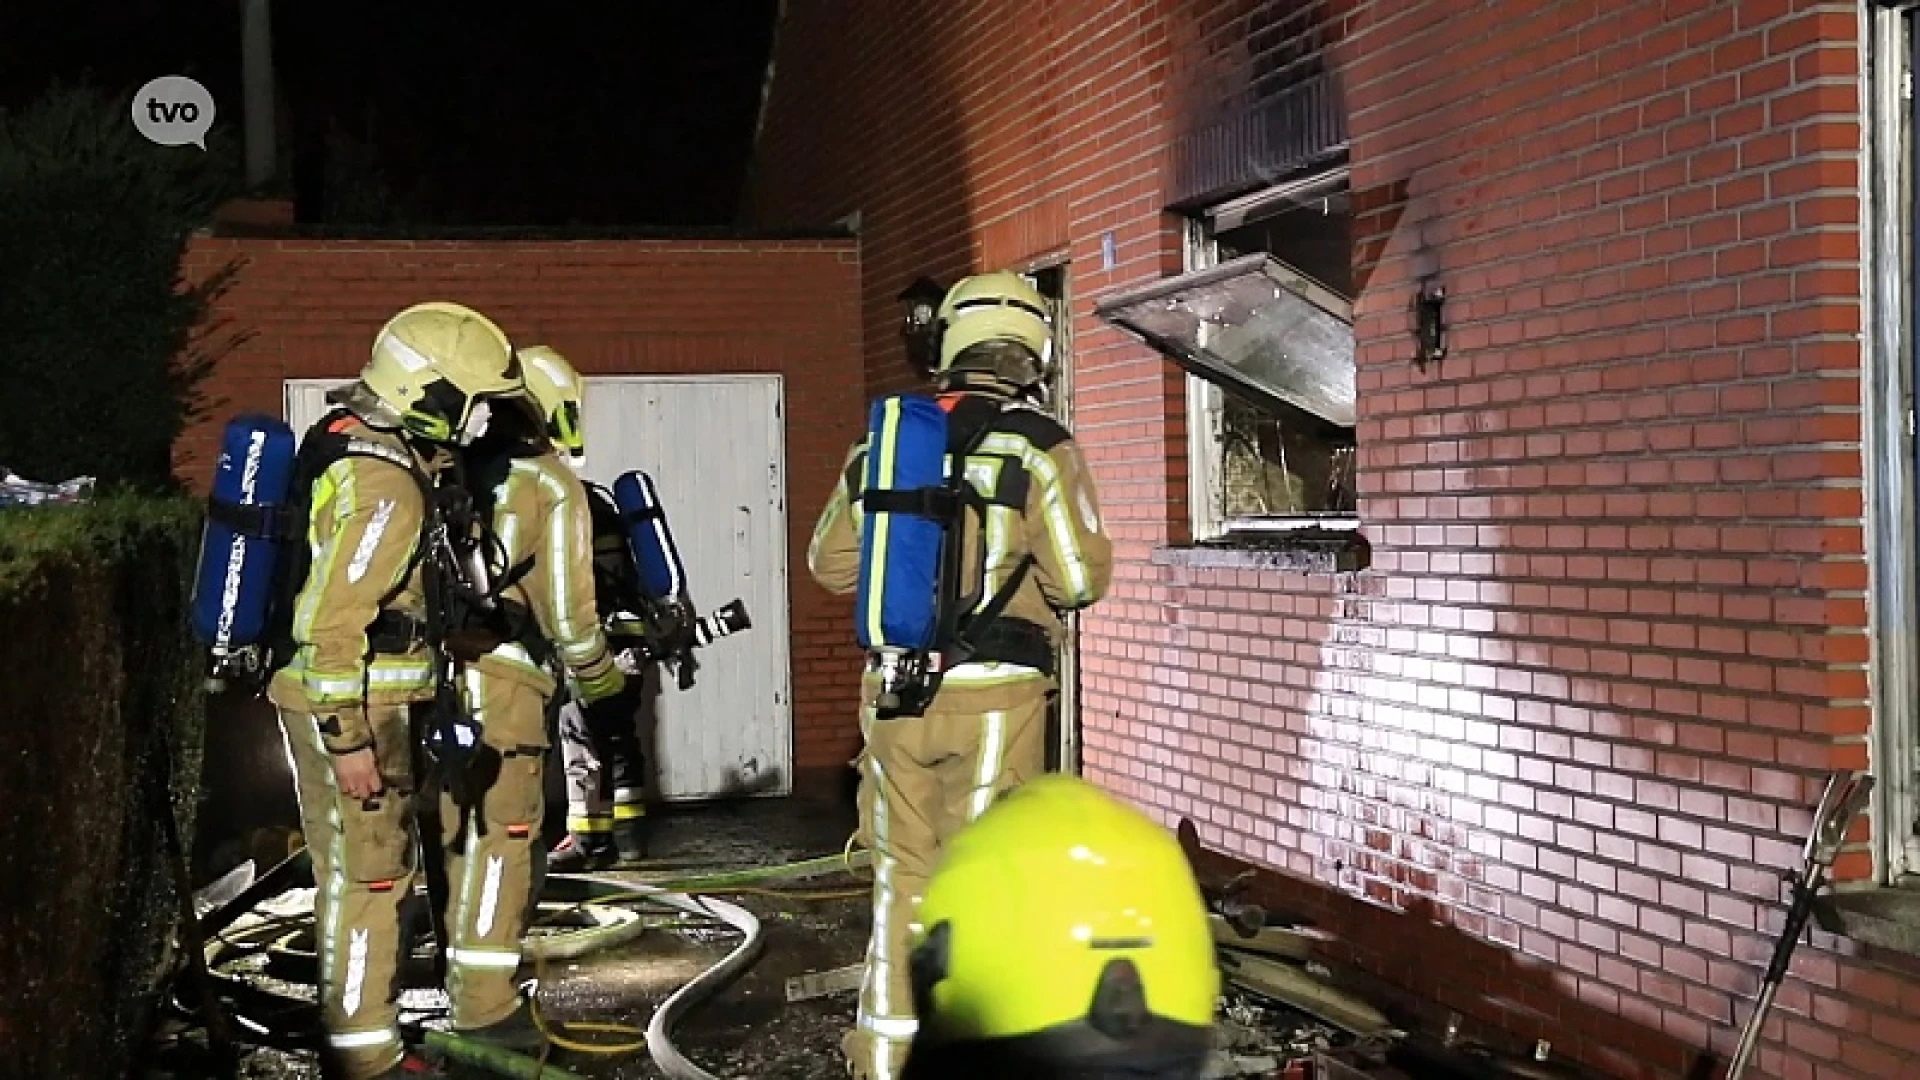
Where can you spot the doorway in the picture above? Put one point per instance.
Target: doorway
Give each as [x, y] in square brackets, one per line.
[1063, 719]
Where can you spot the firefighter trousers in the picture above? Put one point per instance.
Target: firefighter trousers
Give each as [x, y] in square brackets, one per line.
[921, 780]
[363, 867]
[605, 766]
[490, 857]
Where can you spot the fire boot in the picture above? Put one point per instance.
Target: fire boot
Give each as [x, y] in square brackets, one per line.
[517, 1032]
[630, 838]
[579, 852]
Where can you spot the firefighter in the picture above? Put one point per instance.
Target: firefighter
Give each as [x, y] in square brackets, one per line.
[599, 739]
[1062, 935]
[360, 659]
[1045, 553]
[544, 619]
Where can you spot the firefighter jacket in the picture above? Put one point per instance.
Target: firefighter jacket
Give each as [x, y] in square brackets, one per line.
[1040, 501]
[541, 518]
[365, 524]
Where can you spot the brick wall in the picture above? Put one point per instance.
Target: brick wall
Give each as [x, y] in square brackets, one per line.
[308, 308]
[1546, 757]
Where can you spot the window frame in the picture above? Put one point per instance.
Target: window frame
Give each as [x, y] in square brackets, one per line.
[1066, 747]
[1891, 361]
[1206, 400]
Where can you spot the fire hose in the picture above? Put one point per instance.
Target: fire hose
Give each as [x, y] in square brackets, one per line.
[278, 1019]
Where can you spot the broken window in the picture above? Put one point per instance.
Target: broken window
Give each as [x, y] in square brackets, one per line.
[1263, 322]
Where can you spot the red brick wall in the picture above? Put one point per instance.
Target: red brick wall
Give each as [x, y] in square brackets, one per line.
[310, 308]
[1548, 754]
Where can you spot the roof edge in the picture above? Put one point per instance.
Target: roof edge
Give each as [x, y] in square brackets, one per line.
[524, 233]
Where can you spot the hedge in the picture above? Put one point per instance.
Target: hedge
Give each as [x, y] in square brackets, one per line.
[101, 710]
[106, 348]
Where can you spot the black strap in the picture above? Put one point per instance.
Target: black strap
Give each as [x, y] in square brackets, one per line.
[967, 641]
[514, 574]
[523, 628]
[973, 418]
[264, 522]
[635, 517]
[394, 632]
[1010, 640]
[449, 707]
[939, 503]
[970, 425]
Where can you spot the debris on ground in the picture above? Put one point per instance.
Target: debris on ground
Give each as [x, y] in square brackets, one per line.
[1299, 987]
[840, 980]
[1282, 1013]
[1286, 942]
[16, 490]
[750, 1031]
[1256, 1036]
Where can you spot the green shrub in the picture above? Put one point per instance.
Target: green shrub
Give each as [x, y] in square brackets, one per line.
[102, 716]
[100, 355]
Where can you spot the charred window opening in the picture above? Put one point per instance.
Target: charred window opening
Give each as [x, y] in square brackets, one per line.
[1279, 459]
[1263, 321]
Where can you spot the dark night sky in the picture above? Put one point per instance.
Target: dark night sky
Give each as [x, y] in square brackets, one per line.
[602, 112]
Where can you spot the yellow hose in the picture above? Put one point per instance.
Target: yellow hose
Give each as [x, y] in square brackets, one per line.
[846, 853]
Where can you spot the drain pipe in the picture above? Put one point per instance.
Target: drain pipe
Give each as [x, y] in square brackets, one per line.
[256, 76]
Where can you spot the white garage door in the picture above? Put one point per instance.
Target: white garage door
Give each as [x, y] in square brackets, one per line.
[715, 446]
[307, 402]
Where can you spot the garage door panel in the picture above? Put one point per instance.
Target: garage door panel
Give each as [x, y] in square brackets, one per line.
[715, 447]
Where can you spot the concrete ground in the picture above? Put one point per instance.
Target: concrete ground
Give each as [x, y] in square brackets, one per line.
[749, 1031]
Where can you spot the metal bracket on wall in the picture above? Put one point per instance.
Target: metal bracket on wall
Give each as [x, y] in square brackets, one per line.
[1430, 324]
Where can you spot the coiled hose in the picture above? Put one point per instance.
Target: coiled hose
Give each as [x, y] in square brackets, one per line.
[696, 896]
[693, 896]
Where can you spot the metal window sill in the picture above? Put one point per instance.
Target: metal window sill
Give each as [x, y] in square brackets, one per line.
[1887, 917]
[1296, 551]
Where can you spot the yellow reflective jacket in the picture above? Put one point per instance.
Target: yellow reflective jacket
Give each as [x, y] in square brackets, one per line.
[540, 513]
[363, 529]
[1040, 500]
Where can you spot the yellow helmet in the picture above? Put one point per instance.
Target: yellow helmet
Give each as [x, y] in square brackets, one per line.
[434, 364]
[996, 324]
[1062, 928]
[556, 389]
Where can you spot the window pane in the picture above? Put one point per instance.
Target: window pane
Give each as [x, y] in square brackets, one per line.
[1283, 462]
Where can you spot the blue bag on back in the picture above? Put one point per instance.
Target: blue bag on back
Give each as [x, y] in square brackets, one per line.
[898, 603]
[234, 585]
[662, 575]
